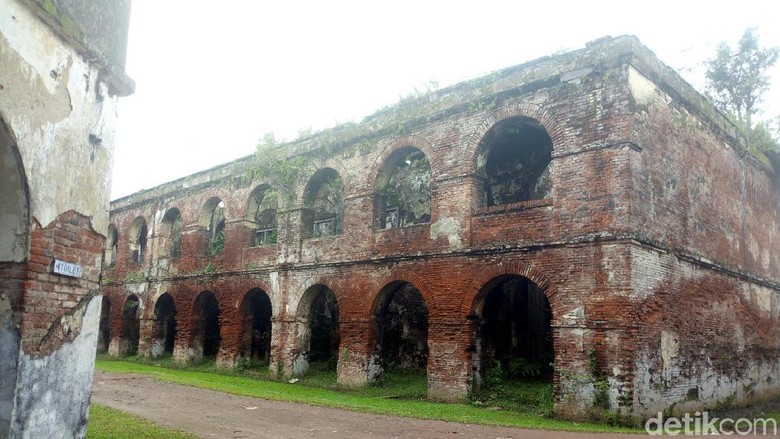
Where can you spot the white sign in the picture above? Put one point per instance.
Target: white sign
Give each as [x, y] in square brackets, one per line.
[67, 269]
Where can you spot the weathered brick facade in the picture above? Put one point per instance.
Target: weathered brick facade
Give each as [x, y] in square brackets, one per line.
[652, 236]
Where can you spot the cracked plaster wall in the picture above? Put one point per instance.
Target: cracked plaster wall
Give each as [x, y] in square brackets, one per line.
[59, 115]
[56, 398]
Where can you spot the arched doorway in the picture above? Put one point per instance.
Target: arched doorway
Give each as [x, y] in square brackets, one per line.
[131, 328]
[104, 328]
[401, 327]
[256, 312]
[318, 330]
[513, 340]
[164, 335]
[206, 333]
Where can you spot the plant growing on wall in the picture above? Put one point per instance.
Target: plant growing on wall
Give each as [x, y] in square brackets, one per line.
[272, 165]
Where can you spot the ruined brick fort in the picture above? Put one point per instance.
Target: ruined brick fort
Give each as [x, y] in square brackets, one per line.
[586, 215]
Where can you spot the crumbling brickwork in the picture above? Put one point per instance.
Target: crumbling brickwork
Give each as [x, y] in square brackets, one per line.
[594, 193]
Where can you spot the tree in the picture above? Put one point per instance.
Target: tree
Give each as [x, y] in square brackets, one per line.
[738, 79]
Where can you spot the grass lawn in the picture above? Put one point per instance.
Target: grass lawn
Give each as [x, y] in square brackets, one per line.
[397, 394]
[108, 423]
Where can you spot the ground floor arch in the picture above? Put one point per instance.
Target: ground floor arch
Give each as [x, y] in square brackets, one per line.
[131, 325]
[400, 320]
[317, 329]
[104, 327]
[206, 336]
[256, 313]
[513, 334]
[164, 329]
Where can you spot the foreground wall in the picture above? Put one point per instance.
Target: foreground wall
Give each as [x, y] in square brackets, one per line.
[57, 121]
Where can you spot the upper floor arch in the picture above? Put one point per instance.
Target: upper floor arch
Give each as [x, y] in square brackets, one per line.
[212, 219]
[512, 154]
[402, 192]
[112, 245]
[138, 236]
[323, 204]
[171, 231]
[261, 212]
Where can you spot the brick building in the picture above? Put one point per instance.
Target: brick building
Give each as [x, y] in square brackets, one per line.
[61, 74]
[588, 214]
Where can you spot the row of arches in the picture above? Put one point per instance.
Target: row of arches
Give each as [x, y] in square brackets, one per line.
[514, 164]
[511, 321]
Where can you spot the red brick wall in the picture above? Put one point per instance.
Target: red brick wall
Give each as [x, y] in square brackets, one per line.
[632, 187]
[51, 304]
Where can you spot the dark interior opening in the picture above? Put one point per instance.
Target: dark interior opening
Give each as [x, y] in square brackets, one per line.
[402, 328]
[165, 321]
[131, 328]
[256, 339]
[324, 321]
[515, 330]
[518, 162]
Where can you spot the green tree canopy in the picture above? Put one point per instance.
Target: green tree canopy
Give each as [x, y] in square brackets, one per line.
[738, 78]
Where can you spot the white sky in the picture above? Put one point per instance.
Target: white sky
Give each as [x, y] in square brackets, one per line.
[213, 76]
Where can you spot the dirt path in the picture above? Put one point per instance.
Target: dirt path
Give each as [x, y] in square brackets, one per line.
[213, 414]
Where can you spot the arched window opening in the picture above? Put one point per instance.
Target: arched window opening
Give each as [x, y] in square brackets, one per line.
[172, 225]
[323, 204]
[217, 229]
[318, 331]
[206, 328]
[401, 325]
[131, 328]
[139, 234]
[104, 327]
[112, 242]
[164, 335]
[261, 212]
[517, 157]
[256, 313]
[404, 190]
[513, 337]
[212, 218]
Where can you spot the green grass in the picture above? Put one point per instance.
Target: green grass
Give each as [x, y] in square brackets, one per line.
[399, 395]
[529, 396]
[108, 423]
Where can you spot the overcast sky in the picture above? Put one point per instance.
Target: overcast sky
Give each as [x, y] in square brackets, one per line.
[213, 76]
